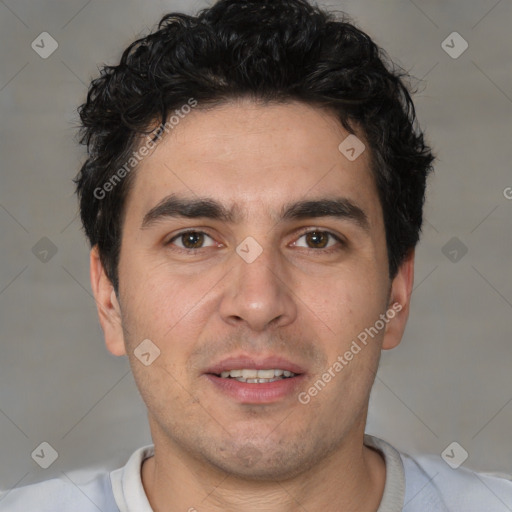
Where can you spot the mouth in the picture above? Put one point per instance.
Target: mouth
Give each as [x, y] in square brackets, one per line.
[251, 381]
[252, 376]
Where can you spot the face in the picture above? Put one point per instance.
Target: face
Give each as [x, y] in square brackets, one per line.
[283, 268]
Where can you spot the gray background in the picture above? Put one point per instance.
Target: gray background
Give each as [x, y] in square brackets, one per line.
[450, 378]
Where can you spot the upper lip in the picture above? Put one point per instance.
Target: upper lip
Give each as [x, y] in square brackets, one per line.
[255, 363]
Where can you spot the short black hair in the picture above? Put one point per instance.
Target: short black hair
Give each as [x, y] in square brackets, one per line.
[272, 51]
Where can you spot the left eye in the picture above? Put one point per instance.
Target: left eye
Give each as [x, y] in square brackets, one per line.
[319, 239]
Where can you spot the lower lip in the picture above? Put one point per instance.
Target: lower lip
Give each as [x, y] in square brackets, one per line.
[251, 393]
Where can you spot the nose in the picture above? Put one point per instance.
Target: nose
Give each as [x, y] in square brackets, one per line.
[259, 293]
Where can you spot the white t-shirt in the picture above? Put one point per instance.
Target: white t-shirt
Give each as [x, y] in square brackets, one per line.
[421, 484]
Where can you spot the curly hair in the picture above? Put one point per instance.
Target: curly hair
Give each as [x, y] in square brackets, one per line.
[270, 51]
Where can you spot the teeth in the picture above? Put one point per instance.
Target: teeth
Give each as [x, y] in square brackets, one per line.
[258, 381]
[253, 376]
[265, 374]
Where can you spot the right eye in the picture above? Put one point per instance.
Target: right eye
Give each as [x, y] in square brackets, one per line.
[191, 240]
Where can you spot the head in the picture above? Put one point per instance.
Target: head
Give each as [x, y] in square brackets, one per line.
[237, 115]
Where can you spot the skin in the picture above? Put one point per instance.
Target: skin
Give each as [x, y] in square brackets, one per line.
[295, 300]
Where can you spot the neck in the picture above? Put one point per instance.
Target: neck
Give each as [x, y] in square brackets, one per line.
[351, 478]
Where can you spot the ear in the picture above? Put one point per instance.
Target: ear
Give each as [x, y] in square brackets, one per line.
[109, 311]
[399, 302]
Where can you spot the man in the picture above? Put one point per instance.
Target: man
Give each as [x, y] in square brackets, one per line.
[253, 196]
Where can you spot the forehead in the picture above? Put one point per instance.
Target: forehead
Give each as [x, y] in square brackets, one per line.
[254, 159]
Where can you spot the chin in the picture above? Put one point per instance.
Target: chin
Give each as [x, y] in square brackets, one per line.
[248, 462]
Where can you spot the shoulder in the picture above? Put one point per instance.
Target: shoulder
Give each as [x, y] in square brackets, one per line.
[73, 492]
[430, 478]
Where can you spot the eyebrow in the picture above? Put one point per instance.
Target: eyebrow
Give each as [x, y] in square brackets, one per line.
[174, 206]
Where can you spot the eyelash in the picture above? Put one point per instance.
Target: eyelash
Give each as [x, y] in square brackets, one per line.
[330, 250]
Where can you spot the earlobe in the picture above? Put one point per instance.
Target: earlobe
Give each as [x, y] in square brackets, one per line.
[399, 303]
[109, 311]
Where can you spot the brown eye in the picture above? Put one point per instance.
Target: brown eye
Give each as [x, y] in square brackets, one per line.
[189, 240]
[318, 239]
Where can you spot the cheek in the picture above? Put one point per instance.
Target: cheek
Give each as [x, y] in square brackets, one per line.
[167, 308]
[347, 302]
